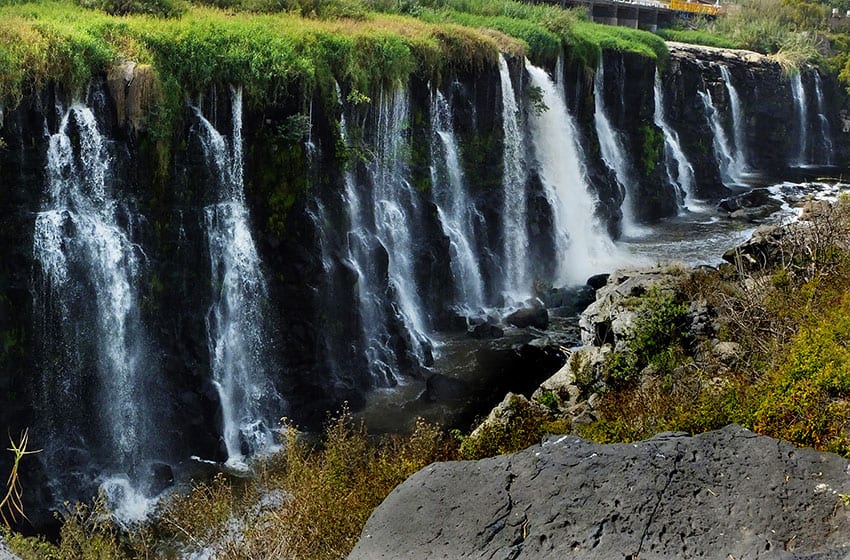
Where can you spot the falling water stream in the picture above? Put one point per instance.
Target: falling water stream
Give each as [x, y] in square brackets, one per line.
[235, 322]
[740, 160]
[722, 150]
[456, 211]
[823, 125]
[799, 94]
[88, 294]
[516, 273]
[683, 179]
[581, 244]
[614, 155]
[395, 203]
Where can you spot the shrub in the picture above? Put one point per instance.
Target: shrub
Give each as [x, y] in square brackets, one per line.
[523, 425]
[156, 8]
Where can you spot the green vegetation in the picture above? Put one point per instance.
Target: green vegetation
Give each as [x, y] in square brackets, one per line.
[789, 376]
[791, 31]
[657, 339]
[308, 502]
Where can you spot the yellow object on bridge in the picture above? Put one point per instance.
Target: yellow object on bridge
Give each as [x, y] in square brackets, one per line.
[694, 7]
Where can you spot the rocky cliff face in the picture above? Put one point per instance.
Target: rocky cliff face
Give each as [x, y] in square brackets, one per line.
[719, 495]
[310, 158]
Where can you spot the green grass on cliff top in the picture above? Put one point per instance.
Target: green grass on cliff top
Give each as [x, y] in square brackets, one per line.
[62, 42]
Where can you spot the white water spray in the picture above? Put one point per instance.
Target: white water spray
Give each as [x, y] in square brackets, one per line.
[581, 245]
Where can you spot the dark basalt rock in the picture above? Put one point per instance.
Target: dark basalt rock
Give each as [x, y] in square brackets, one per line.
[598, 280]
[440, 387]
[723, 494]
[486, 330]
[536, 317]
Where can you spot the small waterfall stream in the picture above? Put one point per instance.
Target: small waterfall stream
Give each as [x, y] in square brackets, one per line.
[799, 94]
[395, 203]
[361, 254]
[88, 267]
[683, 181]
[613, 153]
[740, 160]
[456, 210]
[823, 124]
[722, 149]
[581, 244]
[517, 277]
[235, 322]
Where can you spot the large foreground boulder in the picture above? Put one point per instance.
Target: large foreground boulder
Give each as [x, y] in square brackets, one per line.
[720, 495]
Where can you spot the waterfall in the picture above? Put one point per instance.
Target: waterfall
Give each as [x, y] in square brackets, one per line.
[613, 154]
[684, 180]
[740, 159]
[361, 254]
[580, 243]
[722, 150]
[235, 322]
[394, 203]
[823, 122]
[799, 94]
[455, 209]
[95, 379]
[517, 277]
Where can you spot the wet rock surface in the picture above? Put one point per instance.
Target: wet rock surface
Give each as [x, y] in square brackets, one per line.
[723, 494]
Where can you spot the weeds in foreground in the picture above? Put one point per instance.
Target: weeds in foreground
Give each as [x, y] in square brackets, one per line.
[12, 505]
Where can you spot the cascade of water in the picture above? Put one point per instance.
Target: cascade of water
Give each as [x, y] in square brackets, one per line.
[823, 121]
[455, 209]
[235, 322]
[722, 150]
[684, 180]
[740, 159]
[517, 277]
[88, 294]
[581, 244]
[362, 248]
[395, 203]
[613, 154]
[799, 94]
